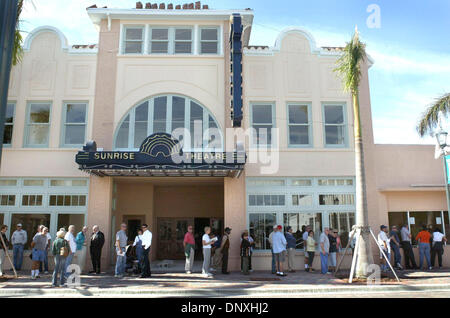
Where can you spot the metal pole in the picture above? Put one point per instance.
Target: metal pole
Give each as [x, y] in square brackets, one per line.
[345, 252]
[385, 257]
[446, 184]
[355, 255]
[8, 16]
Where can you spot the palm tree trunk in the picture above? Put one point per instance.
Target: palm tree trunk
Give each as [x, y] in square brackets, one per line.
[364, 252]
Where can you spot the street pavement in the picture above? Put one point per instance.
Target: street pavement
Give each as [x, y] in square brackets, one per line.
[435, 283]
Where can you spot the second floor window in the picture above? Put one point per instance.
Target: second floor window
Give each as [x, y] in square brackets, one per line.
[335, 125]
[38, 125]
[209, 40]
[74, 125]
[133, 40]
[9, 123]
[299, 125]
[262, 123]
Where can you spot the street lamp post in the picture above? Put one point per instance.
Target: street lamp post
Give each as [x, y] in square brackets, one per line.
[441, 139]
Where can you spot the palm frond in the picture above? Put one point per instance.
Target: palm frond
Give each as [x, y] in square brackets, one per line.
[349, 64]
[430, 118]
[18, 39]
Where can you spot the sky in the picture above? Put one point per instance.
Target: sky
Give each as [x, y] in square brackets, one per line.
[407, 39]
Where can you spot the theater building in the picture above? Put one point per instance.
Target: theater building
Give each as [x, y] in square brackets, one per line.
[158, 71]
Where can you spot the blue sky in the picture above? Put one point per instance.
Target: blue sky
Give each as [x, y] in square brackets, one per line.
[411, 48]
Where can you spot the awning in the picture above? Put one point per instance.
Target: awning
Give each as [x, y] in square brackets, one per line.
[160, 155]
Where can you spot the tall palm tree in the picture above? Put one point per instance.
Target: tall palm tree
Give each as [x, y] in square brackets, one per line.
[349, 67]
[430, 118]
[18, 40]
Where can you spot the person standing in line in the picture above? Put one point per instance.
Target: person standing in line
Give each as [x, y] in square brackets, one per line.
[311, 250]
[97, 241]
[59, 247]
[121, 244]
[410, 262]
[224, 249]
[424, 239]
[252, 244]
[146, 244]
[139, 249]
[279, 249]
[305, 238]
[18, 240]
[47, 249]
[217, 253]
[275, 229]
[72, 250]
[39, 245]
[80, 240]
[245, 252]
[383, 241]
[39, 232]
[3, 252]
[291, 244]
[333, 238]
[395, 246]
[206, 243]
[437, 247]
[324, 251]
[189, 249]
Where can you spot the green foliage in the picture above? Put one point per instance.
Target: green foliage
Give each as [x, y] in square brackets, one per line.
[430, 118]
[18, 40]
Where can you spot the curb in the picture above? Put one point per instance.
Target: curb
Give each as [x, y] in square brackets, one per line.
[92, 292]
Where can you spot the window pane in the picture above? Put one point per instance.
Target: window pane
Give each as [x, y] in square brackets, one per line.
[196, 128]
[302, 200]
[298, 220]
[302, 182]
[140, 133]
[159, 47]
[209, 47]
[183, 34]
[159, 116]
[9, 116]
[263, 135]
[8, 183]
[160, 34]
[298, 135]
[183, 47]
[262, 114]
[142, 112]
[74, 134]
[178, 107]
[134, 33]
[39, 113]
[122, 135]
[7, 135]
[260, 226]
[334, 114]
[37, 135]
[79, 183]
[33, 183]
[209, 35]
[76, 113]
[336, 199]
[334, 135]
[30, 223]
[298, 114]
[133, 47]
[64, 220]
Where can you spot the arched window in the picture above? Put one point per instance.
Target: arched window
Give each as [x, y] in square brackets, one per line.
[185, 119]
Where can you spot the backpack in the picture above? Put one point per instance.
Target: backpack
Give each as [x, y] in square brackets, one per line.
[64, 250]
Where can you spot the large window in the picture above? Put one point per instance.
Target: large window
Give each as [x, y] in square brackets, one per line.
[38, 125]
[182, 117]
[9, 124]
[299, 123]
[133, 40]
[74, 124]
[30, 223]
[170, 40]
[262, 122]
[298, 220]
[335, 125]
[209, 40]
[260, 226]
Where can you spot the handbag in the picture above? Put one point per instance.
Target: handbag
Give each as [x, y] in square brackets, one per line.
[64, 251]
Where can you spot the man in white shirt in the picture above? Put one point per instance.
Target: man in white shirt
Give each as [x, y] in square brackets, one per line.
[385, 245]
[146, 243]
[438, 247]
[305, 238]
[18, 240]
[73, 248]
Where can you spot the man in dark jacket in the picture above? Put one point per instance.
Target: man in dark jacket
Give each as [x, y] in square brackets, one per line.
[97, 241]
[224, 248]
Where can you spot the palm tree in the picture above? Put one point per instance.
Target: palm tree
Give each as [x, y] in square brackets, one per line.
[18, 50]
[430, 118]
[349, 68]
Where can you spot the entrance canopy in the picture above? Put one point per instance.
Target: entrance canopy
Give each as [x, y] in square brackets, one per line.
[160, 155]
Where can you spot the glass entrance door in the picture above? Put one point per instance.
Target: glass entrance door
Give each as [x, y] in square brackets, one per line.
[170, 237]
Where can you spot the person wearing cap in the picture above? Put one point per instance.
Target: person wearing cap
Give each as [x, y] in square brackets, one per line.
[224, 249]
[18, 240]
[385, 246]
[291, 244]
[279, 249]
[275, 229]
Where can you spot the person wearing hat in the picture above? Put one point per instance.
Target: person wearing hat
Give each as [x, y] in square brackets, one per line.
[291, 244]
[385, 246]
[275, 229]
[18, 240]
[279, 249]
[224, 249]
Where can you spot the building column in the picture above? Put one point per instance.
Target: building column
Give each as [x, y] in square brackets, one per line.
[235, 216]
[99, 213]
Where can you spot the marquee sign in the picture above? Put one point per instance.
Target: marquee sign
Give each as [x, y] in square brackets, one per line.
[160, 155]
[236, 70]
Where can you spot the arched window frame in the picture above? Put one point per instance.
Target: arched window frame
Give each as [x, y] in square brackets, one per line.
[150, 120]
